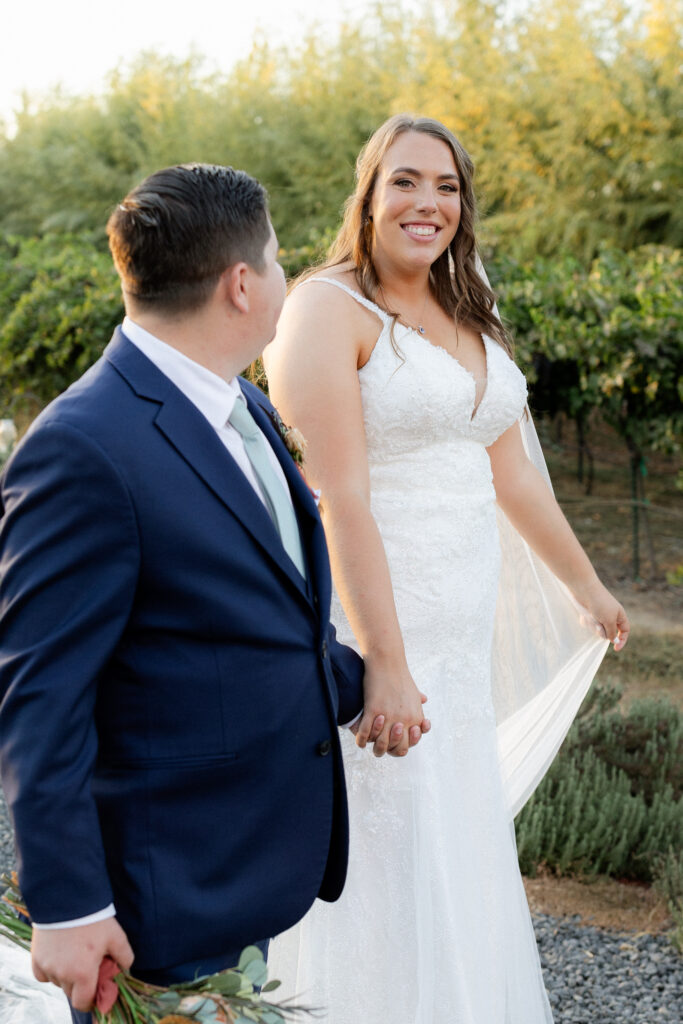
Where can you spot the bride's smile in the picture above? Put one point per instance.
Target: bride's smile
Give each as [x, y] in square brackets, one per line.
[419, 230]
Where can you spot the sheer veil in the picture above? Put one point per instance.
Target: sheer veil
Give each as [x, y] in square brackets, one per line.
[546, 651]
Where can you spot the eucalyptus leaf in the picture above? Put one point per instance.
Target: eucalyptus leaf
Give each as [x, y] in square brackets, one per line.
[257, 972]
[248, 955]
[210, 1015]
[167, 1001]
[270, 986]
[228, 983]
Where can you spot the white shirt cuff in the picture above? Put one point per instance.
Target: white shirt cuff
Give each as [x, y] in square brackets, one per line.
[347, 725]
[99, 915]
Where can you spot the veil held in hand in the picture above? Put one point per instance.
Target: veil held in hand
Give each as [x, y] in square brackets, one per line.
[546, 652]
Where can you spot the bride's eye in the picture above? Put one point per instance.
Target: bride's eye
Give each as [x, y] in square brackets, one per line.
[403, 182]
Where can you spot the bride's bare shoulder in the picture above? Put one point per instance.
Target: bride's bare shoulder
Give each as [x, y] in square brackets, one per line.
[319, 294]
[318, 312]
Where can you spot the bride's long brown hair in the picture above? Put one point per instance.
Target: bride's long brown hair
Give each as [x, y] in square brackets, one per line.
[455, 283]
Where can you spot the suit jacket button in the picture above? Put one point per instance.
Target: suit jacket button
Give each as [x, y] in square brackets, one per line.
[324, 748]
[324, 649]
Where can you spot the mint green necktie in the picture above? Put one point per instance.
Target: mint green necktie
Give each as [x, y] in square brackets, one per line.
[277, 501]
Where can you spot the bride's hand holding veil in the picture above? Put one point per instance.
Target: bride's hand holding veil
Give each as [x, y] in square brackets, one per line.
[531, 507]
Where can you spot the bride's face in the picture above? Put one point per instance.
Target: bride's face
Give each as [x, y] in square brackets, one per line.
[415, 204]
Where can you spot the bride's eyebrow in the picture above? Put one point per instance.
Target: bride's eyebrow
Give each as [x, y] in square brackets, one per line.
[448, 176]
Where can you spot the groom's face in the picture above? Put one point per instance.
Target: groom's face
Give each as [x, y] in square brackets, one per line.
[269, 287]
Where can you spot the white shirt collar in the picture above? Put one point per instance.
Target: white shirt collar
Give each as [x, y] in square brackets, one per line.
[213, 396]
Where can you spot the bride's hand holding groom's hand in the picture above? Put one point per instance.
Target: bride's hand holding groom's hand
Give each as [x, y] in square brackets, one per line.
[392, 696]
[396, 746]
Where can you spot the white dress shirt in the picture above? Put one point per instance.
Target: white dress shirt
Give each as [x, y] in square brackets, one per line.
[214, 397]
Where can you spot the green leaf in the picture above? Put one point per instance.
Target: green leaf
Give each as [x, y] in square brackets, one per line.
[257, 972]
[228, 983]
[248, 955]
[270, 986]
[167, 1001]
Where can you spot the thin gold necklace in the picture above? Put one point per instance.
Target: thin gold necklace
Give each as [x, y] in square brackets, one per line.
[419, 327]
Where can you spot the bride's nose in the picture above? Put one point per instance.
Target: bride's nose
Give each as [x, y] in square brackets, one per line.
[425, 201]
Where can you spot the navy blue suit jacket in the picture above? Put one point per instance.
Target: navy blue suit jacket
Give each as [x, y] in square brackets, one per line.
[171, 686]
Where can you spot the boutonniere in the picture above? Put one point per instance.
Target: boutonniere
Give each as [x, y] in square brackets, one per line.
[295, 442]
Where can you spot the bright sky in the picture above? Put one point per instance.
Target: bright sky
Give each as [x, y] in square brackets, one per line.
[76, 42]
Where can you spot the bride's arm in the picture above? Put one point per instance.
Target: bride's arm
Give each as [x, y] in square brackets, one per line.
[530, 506]
[312, 368]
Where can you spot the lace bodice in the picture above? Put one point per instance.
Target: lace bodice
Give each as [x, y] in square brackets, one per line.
[417, 394]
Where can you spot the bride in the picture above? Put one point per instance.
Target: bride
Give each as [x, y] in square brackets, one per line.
[392, 361]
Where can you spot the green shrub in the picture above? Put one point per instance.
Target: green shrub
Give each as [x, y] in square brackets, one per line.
[668, 881]
[611, 801]
[646, 743]
[59, 302]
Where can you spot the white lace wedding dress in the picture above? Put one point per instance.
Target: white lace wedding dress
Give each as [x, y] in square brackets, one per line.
[433, 924]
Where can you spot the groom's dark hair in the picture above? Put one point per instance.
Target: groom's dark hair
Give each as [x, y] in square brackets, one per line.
[173, 236]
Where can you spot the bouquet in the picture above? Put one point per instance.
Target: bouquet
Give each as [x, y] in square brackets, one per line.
[229, 997]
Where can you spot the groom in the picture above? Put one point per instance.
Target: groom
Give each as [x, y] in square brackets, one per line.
[171, 684]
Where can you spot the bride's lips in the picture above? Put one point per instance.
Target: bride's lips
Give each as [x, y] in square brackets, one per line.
[421, 231]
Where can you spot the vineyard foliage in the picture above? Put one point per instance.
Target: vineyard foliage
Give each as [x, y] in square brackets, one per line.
[572, 114]
[573, 118]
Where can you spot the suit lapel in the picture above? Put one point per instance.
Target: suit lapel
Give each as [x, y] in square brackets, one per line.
[195, 440]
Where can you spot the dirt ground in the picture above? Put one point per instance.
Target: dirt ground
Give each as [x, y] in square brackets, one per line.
[652, 609]
[603, 903]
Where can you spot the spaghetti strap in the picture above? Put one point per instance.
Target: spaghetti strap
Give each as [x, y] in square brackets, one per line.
[372, 306]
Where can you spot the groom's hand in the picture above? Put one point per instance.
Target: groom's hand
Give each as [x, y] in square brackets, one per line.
[399, 741]
[71, 957]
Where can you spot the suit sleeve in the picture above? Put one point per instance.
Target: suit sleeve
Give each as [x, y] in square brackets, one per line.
[348, 669]
[69, 558]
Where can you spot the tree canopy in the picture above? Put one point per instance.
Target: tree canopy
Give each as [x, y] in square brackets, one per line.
[572, 115]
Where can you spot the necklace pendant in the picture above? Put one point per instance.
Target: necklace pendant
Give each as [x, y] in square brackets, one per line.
[420, 329]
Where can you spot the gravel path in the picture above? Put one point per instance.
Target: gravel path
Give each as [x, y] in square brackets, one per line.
[598, 977]
[592, 976]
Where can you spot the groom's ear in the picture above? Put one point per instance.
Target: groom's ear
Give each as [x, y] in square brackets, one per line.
[234, 286]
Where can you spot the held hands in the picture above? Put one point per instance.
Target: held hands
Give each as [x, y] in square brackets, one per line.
[392, 718]
[71, 957]
[607, 612]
